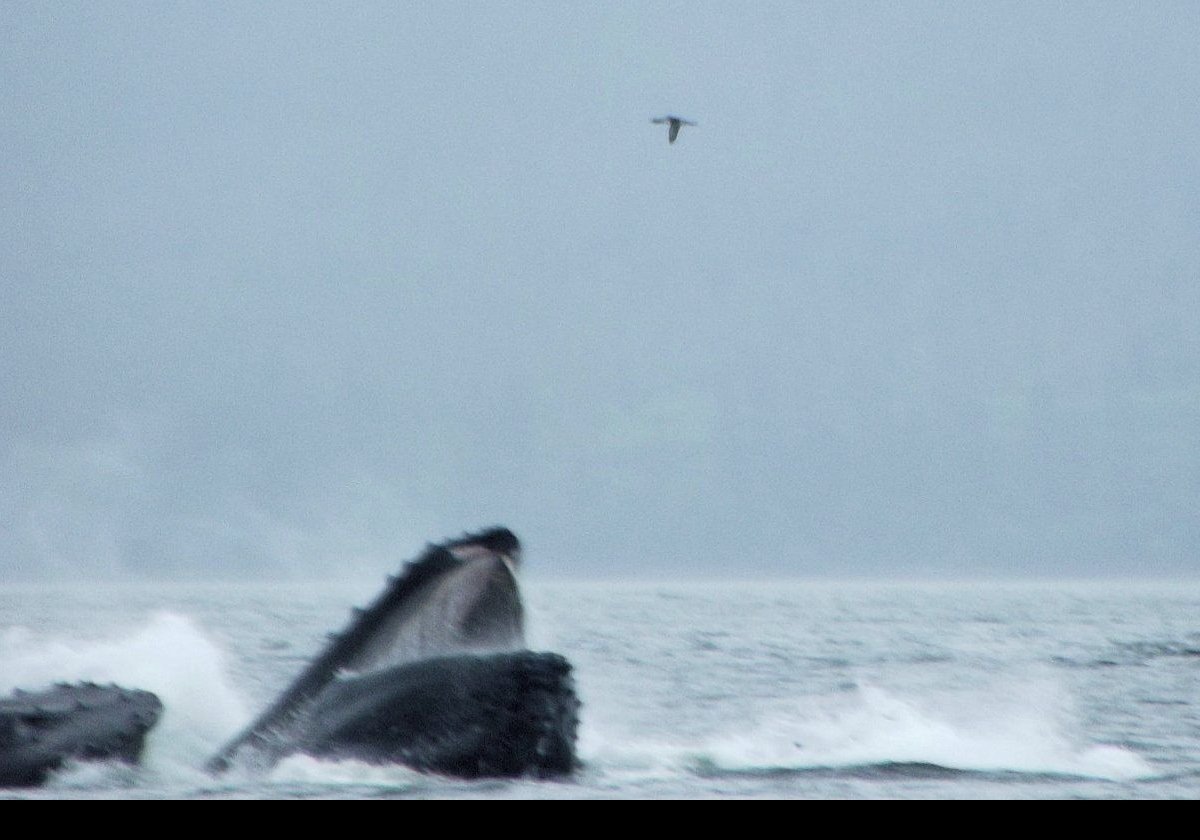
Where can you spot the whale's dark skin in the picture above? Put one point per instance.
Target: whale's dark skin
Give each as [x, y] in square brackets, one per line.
[41, 731]
[507, 714]
[433, 675]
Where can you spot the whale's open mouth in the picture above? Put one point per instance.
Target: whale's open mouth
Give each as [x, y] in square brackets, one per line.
[420, 675]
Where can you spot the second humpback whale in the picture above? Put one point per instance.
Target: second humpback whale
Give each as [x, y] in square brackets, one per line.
[41, 731]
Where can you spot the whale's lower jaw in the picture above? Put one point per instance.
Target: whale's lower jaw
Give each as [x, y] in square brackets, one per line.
[501, 715]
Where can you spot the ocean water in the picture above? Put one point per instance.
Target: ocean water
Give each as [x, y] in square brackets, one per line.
[780, 689]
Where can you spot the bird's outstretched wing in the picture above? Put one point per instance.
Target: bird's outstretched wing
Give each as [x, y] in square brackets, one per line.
[674, 122]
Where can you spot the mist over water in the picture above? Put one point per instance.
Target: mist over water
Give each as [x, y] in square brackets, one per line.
[860, 690]
[285, 295]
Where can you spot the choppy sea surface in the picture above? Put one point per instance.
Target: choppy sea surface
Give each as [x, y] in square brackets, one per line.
[771, 689]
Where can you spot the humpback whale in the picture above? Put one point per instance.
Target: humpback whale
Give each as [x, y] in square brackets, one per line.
[433, 674]
[41, 731]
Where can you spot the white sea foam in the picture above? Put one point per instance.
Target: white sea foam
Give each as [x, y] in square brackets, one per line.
[1025, 730]
[169, 655]
[306, 770]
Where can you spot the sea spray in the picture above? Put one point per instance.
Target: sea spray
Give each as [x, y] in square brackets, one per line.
[1025, 728]
[168, 655]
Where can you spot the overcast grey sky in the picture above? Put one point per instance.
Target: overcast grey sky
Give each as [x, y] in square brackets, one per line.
[289, 289]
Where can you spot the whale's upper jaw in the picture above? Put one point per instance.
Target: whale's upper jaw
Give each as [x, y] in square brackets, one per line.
[457, 597]
[498, 542]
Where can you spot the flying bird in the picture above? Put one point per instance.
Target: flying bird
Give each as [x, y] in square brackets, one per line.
[674, 122]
